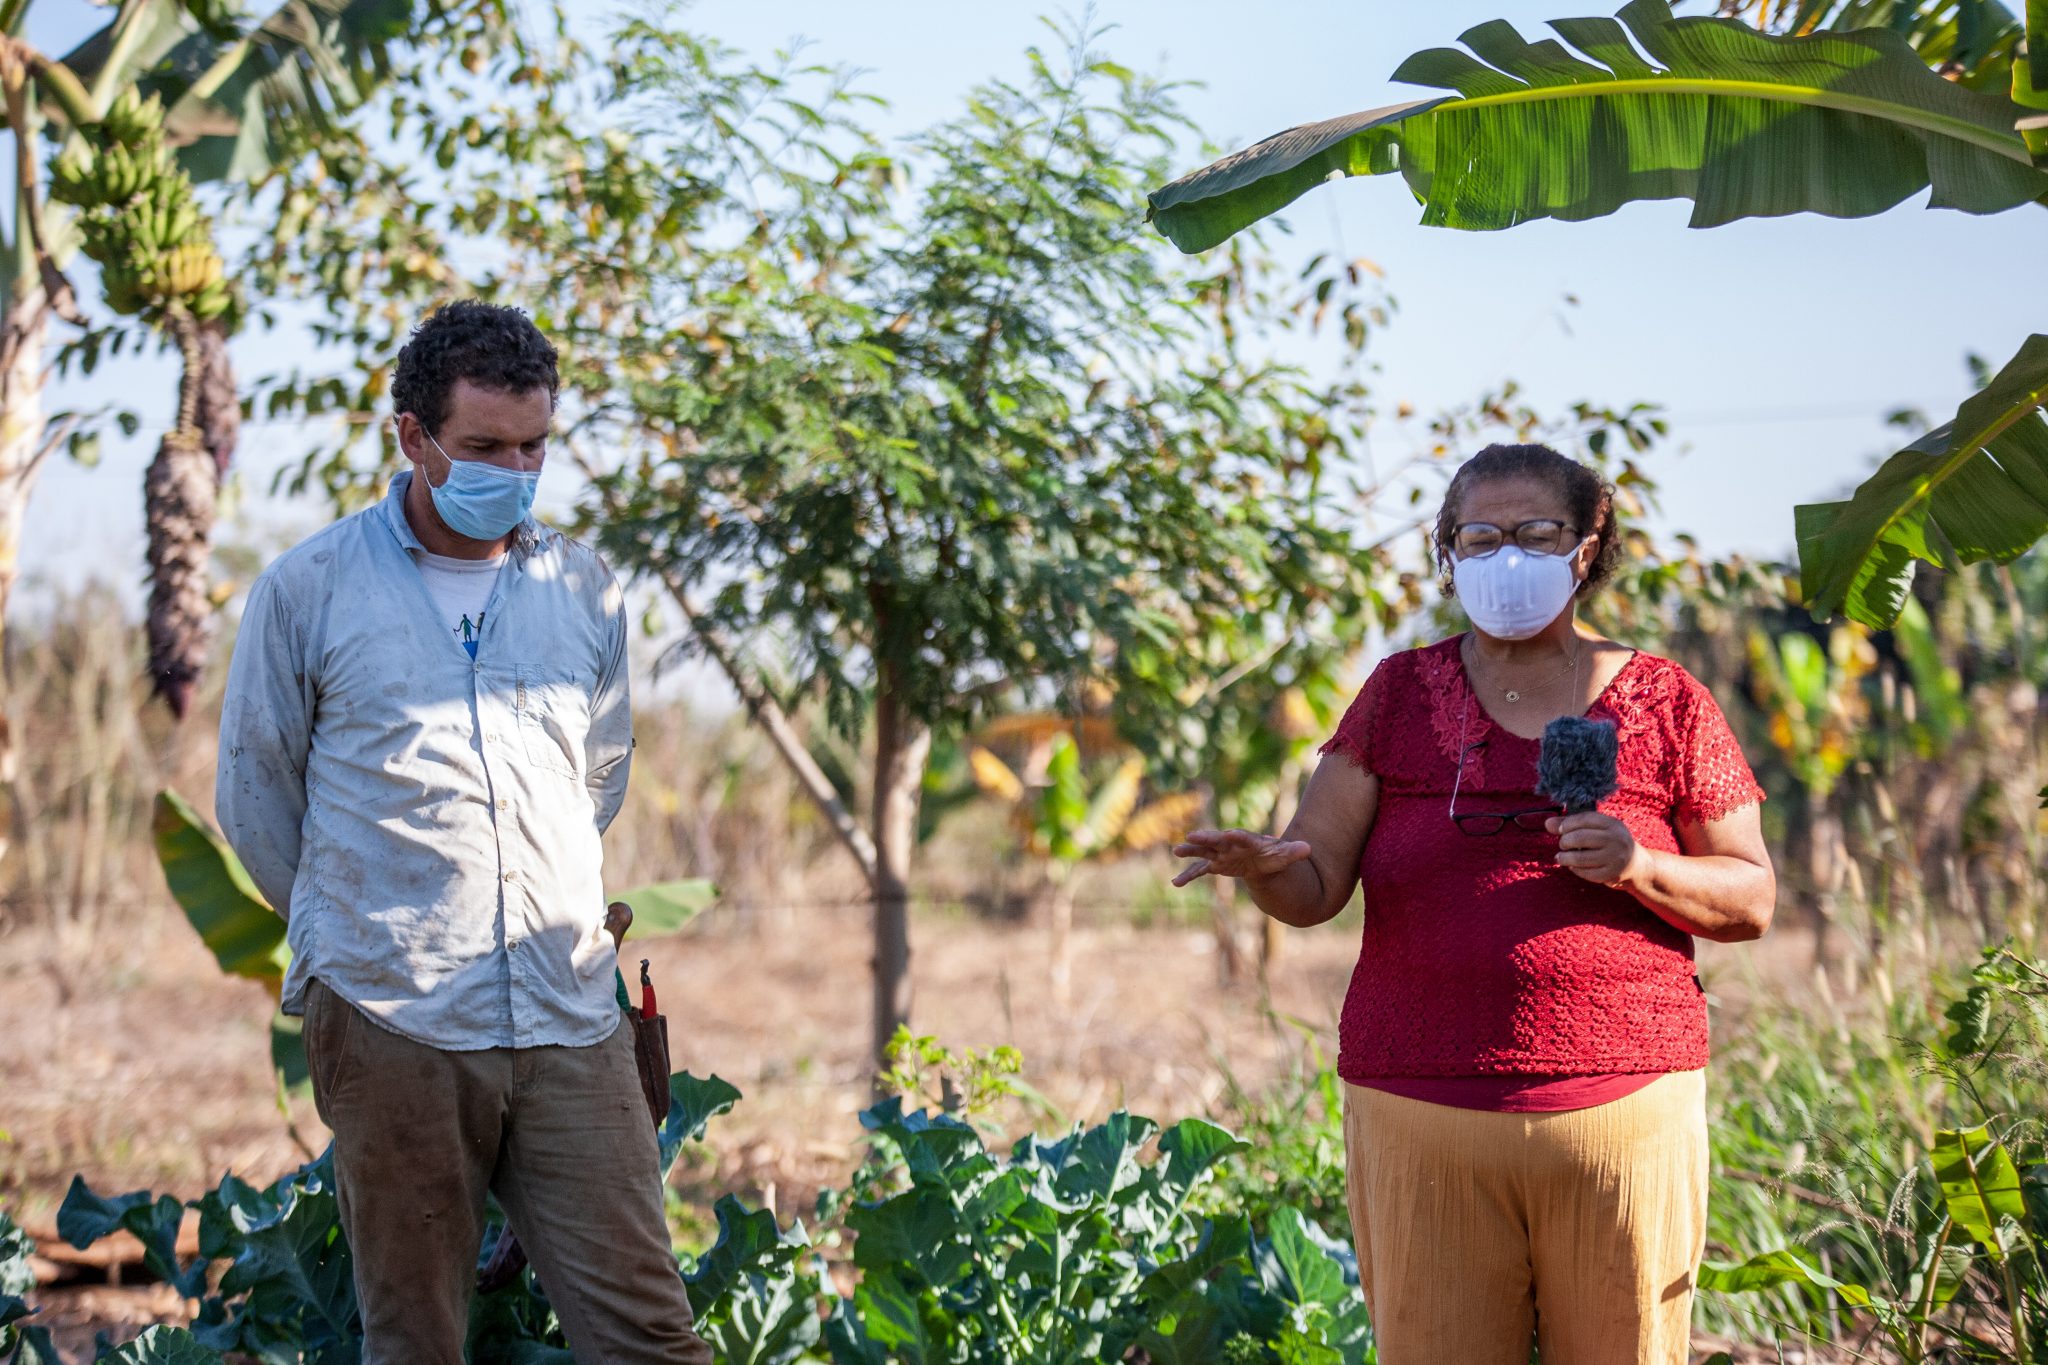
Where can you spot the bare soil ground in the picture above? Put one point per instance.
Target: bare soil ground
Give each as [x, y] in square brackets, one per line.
[137, 1064]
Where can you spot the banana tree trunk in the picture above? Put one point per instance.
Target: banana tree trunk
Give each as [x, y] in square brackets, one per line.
[23, 329]
[180, 494]
[902, 746]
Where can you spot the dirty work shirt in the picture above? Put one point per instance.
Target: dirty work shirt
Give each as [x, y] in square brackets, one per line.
[428, 823]
[461, 589]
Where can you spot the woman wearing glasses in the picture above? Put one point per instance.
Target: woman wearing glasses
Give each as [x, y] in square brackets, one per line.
[1524, 1036]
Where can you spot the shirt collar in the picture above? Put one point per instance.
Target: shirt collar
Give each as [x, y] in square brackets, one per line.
[526, 536]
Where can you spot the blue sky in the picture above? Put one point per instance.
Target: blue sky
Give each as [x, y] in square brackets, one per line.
[1776, 346]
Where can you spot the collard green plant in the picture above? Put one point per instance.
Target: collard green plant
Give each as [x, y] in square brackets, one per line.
[22, 1341]
[1078, 1249]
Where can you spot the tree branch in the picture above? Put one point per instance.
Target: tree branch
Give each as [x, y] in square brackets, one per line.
[765, 712]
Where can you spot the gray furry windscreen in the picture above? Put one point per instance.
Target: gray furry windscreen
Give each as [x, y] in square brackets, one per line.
[1575, 766]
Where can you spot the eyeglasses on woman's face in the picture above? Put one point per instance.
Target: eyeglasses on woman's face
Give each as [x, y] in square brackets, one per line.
[1482, 823]
[1544, 536]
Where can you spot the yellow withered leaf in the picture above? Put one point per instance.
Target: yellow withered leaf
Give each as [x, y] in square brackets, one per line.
[993, 775]
[1163, 821]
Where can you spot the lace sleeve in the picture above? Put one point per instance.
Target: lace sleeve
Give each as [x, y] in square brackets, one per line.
[1714, 779]
[1355, 733]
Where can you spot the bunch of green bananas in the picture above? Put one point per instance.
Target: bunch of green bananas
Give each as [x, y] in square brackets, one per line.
[140, 221]
[133, 120]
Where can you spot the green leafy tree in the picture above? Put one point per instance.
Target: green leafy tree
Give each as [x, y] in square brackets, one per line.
[1842, 121]
[913, 463]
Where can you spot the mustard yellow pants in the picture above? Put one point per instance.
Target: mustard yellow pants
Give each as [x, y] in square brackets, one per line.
[1480, 1232]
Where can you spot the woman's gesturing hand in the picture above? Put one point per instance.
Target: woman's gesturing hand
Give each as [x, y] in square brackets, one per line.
[1597, 847]
[1236, 853]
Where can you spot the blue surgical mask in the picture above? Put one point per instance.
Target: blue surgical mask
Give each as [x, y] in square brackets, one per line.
[480, 500]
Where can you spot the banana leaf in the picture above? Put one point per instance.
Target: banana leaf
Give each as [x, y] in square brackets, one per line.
[1981, 1187]
[666, 907]
[237, 92]
[1648, 106]
[213, 889]
[1975, 488]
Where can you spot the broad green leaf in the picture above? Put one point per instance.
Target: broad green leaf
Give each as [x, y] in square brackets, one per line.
[282, 1241]
[84, 1218]
[665, 907]
[763, 1321]
[235, 98]
[749, 1243]
[1313, 1276]
[890, 1319]
[1191, 1148]
[1971, 1016]
[162, 1346]
[1974, 488]
[1172, 1287]
[693, 1103]
[1743, 123]
[1944, 708]
[288, 1052]
[1773, 1268]
[32, 1345]
[1063, 804]
[214, 890]
[1980, 1185]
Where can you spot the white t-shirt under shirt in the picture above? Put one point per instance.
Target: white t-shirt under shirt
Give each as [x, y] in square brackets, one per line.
[461, 588]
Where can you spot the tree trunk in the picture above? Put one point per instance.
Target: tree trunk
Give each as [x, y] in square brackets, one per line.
[22, 450]
[1223, 908]
[1060, 921]
[180, 495]
[1824, 861]
[902, 746]
[1286, 800]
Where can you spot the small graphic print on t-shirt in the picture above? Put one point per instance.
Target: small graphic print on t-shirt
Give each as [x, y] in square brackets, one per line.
[461, 590]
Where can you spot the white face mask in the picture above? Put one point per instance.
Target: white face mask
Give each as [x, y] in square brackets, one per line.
[1513, 594]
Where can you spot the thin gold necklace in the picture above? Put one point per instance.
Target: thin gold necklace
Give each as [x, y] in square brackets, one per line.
[1515, 695]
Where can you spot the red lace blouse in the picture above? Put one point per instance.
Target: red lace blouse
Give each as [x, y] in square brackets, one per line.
[1481, 957]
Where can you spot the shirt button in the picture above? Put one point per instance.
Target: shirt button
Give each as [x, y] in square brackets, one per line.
[503, 804]
[512, 945]
[511, 876]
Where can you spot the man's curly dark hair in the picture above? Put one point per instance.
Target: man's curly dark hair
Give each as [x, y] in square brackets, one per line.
[490, 345]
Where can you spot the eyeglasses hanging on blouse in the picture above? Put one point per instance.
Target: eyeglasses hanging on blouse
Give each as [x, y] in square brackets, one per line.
[1482, 823]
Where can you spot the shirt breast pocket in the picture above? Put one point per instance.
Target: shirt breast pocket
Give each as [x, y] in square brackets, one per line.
[554, 719]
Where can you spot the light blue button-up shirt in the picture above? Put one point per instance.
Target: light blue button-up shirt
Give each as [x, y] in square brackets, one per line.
[427, 823]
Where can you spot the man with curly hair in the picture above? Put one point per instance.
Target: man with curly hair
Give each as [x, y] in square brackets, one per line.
[425, 734]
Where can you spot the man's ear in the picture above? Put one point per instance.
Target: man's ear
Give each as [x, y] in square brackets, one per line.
[412, 439]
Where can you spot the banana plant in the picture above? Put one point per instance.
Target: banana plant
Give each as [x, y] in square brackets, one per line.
[1066, 823]
[1744, 123]
[1818, 719]
[237, 94]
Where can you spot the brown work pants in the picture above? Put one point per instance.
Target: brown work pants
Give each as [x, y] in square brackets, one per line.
[559, 1134]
